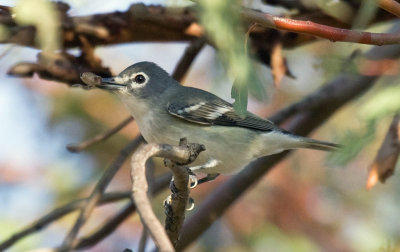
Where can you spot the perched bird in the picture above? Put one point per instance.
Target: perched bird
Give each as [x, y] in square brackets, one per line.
[166, 111]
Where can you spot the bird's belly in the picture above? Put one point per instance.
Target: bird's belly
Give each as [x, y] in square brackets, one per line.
[227, 155]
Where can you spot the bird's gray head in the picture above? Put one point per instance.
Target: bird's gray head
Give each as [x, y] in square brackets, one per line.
[141, 80]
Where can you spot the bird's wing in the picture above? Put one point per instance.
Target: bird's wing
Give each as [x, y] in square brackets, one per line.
[218, 112]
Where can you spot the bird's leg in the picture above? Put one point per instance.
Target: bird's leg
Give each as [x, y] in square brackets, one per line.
[209, 177]
[193, 181]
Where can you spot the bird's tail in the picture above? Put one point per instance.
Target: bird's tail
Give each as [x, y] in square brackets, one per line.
[318, 145]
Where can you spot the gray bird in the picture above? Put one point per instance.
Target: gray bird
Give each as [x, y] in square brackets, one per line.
[166, 111]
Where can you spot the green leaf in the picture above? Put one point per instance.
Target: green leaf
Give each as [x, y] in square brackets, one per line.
[43, 15]
[239, 92]
[222, 22]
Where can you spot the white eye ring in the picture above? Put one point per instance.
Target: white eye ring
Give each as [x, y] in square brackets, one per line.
[140, 78]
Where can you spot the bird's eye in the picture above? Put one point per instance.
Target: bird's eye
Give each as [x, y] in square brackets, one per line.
[140, 79]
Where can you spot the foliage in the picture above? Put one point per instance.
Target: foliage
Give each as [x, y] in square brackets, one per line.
[222, 22]
[43, 15]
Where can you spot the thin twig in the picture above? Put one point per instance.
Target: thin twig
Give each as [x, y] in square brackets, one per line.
[341, 90]
[143, 240]
[159, 184]
[187, 59]
[57, 214]
[105, 230]
[178, 154]
[100, 137]
[70, 242]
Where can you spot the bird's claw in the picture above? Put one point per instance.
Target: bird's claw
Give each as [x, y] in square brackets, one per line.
[193, 182]
[189, 206]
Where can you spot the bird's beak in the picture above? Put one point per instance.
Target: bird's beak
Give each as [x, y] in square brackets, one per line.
[109, 84]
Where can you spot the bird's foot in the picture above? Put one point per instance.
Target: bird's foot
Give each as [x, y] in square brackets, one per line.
[189, 204]
[194, 182]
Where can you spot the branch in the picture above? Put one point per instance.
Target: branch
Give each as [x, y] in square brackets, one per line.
[323, 31]
[59, 66]
[180, 154]
[70, 242]
[105, 230]
[337, 93]
[58, 213]
[187, 59]
[100, 137]
[143, 240]
[390, 6]
[140, 23]
[175, 205]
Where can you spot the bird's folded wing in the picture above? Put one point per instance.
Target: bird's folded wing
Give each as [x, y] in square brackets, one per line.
[218, 112]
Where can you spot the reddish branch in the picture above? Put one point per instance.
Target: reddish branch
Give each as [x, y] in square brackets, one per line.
[141, 23]
[319, 30]
[155, 23]
[391, 6]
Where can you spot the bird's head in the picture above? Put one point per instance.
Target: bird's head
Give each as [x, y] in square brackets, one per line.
[140, 80]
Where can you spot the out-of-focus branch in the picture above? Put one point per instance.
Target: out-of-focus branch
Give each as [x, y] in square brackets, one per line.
[57, 214]
[60, 66]
[390, 6]
[336, 93]
[105, 230]
[100, 137]
[179, 154]
[319, 30]
[187, 59]
[138, 23]
[70, 242]
[143, 240]
[385, 161]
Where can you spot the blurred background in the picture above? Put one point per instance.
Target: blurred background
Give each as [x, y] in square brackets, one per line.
[312, 201]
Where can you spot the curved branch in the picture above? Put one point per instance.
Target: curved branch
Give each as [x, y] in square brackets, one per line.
[179, 154]
[160, 184]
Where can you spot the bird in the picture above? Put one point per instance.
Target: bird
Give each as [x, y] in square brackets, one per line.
[167, 111]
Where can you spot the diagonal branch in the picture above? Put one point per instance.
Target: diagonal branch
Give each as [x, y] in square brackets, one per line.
[70, 242]
[100, 137]
[391, 6]
[187, 59]
[57, 214]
